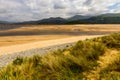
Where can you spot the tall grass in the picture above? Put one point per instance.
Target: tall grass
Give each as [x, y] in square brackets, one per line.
[112, 71]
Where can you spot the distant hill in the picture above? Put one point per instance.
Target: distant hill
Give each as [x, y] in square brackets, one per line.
[111, 15]
[109, 18]
[57, 20]
[51, 20]
[100, 19]
[4, 22]
[77, 17]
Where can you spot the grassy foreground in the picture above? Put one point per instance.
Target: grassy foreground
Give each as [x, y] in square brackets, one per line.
[82, 61]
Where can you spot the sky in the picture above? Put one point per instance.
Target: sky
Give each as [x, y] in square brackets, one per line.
[27, 10]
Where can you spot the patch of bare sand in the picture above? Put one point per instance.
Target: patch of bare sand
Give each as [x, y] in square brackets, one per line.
[13, 40]
[20, 34]
[41, 44]
[81, 27]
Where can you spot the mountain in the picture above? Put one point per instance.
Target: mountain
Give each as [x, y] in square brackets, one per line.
[56, 20]
[5, 22]
[100, 19]
[111, 15]
[109, 18]
[51, 20]
[77, 17]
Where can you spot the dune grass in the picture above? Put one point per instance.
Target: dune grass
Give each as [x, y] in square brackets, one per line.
[112, 70]
[67, 64]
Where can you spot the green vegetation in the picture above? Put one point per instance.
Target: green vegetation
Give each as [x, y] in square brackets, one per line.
[112, 41]
[112, 71]
[74, 63]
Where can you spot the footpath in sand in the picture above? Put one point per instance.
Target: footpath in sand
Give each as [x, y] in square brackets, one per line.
[42, 44]
[9, 53]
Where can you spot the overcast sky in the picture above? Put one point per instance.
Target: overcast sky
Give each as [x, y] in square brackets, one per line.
[25, 10]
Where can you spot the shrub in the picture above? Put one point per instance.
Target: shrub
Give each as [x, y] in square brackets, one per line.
[112, 41]
[89, 49]
[18, 61]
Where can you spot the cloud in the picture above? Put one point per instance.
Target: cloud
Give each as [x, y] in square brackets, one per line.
[88, 2]
[25, 10]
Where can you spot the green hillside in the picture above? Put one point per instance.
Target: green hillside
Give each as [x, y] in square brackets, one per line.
[94, 59]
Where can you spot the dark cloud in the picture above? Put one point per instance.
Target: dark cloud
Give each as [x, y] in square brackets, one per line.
[2, 11]
[88, 2]
[59, 6]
